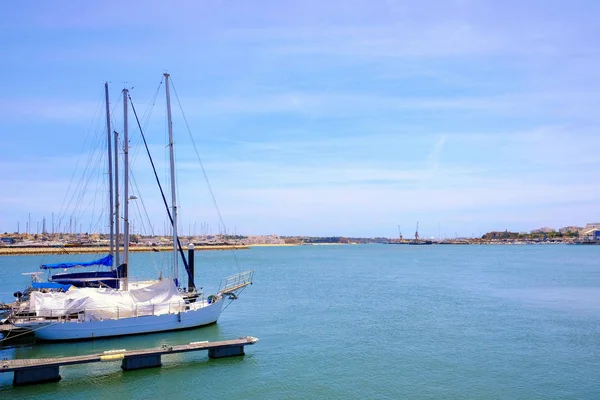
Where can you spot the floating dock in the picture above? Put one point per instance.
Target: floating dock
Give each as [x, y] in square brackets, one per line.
[42, 370]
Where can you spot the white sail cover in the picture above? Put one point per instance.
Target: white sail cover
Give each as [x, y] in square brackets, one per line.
[160, 298]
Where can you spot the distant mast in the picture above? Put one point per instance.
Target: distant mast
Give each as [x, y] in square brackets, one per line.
[111, 216]
[172, 161]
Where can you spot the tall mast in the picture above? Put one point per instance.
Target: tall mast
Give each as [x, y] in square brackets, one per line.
[172, 167]
[126, 185]
[111, 216]
[117, 198]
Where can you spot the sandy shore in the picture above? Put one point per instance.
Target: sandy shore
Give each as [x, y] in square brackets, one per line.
[273, 245]
[6, 251]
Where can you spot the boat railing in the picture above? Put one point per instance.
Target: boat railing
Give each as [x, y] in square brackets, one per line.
[104, 313]
[233, 283]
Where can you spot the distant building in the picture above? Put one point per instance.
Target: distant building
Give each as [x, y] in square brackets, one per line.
[570, 229]
[592, 225]
[591, 232]
[544, 229]
[501, 235]
[591, 235]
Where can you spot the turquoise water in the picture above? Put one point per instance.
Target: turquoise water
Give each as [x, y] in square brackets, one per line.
[365, 322]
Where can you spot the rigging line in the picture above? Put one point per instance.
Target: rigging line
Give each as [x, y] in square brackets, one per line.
[98, 194]
[96, 173]
[86, 177]
[97, 224]
[77, 198]
[88, 171]
[116, 105]
[79, 207]
[150, 108]
[99, 198]
[92, 206]
[157, 268]
[137, 208]
[141, 200]
[146, 120]
[187, 267]
[61, 210]
[84, 210]
[28, 332]
[231, 300]
[214, 199]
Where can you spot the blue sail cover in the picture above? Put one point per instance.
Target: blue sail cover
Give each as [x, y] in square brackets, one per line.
[106, 261]
[49, 285]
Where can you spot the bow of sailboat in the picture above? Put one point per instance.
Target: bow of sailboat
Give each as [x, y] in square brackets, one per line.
[233, 284]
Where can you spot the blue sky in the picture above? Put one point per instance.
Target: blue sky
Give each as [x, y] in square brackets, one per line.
[314, 118]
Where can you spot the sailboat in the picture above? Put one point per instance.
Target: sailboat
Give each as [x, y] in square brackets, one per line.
[110, 278]
[418, 241]
[95, 312]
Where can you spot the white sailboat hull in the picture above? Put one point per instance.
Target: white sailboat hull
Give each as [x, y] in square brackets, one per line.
[80, 330]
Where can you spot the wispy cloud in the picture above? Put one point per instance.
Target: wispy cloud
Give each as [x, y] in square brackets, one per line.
[433, 159]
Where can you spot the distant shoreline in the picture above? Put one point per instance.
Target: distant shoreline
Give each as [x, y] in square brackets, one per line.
[37, 250]
[273, 245]
[22, 251]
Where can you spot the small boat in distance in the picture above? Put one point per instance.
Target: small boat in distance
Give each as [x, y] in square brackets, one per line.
[417, 241]
[400, 239]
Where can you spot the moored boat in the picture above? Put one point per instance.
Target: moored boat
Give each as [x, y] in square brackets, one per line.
[75, 311]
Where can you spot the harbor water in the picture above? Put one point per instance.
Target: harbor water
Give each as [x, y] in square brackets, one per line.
[361, 322]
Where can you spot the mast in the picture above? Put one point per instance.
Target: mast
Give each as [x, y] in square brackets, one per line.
[111, 217]
[126, 185]
[172, 167]
[117, 197]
